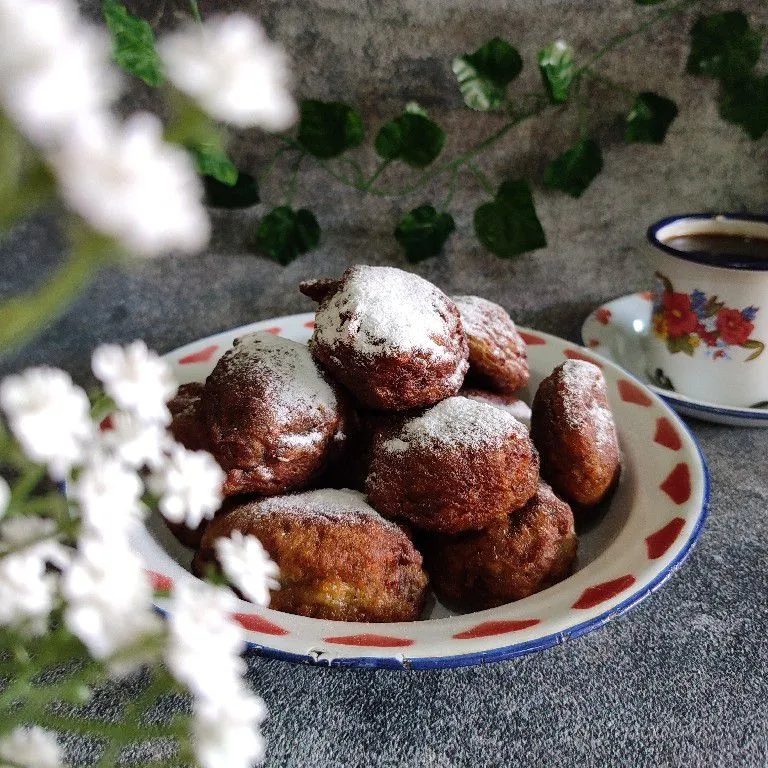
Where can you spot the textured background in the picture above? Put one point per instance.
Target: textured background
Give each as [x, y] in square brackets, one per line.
[682, 679]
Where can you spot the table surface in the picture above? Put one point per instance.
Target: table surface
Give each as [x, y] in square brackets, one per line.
[682, 679]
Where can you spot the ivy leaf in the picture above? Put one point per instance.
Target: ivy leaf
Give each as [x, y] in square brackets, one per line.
[575, 169]
[745, 103]
[557, 70]
[412, 138]
[649, 119]
[422, 232]
[414, 108]
[243, 193]
[509, 226]
[484, 75]
[724, 45]
[283, 233]
[133, 43]
[211, 160]
[328, 128]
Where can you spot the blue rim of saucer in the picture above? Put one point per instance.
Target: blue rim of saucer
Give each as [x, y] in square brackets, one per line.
[754, 264]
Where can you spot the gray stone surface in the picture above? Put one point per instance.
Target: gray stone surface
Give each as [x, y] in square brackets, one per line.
[682, 680]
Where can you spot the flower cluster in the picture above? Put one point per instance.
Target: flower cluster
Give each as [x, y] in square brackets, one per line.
[101, 587]
[58, 86]
[689, 321]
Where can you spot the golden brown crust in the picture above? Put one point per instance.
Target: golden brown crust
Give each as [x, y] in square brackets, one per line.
[271, 432]
[521, 554]
[382, 372]
[574, 431]
[344, 569]
[451, 487]
[497, 353]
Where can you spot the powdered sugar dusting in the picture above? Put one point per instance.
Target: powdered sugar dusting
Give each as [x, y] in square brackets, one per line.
[328, 503]
[579, 377]
[481, 317]
[517, 408]
[459, 422]
[292, 381]
[385, 311]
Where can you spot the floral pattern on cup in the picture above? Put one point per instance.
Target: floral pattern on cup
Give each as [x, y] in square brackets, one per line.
[689, 321]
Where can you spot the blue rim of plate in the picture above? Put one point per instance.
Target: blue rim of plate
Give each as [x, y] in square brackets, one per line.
[531, 646]
[702, 257]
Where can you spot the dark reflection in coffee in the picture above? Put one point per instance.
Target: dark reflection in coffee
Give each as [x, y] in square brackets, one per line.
[727, 246]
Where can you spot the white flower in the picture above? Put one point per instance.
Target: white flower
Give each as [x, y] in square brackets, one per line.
[137, 443]
[31, 747]
[190, 486]
[36, 536]
[49, 416]
[26, 590]
[5, 496]
[205, 642]
[126, 182]
[248, 566]
[54, 69]
[109, 600]
[136, 379]
[109, 496]
[226, 731]
[236, 73]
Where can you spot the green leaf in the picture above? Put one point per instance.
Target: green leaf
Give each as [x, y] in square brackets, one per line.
[758, 346]
[745, 103]
[283, 233]
[414, 108]
[213, 161]
[242, 194]
[575, 169]
[328, 128]
[724, 45]
[557, 70]
[412, 138]
[484, 75]
[712, 307]
[133, 43]
[509, 226]
[649, 119]
[422, 232]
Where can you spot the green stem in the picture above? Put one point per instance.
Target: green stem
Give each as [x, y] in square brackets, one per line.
[293, 183]
[482, 178]
[270, 166]
[375, 175]
[195, 11]
[451, 188]
[622, 38]
[26, 484]
[610, 83]
[22, 316]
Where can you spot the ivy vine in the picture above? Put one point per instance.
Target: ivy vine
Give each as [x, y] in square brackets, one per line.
[724, 46]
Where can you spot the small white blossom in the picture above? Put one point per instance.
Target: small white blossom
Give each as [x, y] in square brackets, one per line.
[136, 379]
[55, 70]
[31, 747]
[26, 590]
[205, 642]
[49, 416]
[36, 536]
[249, 567]
[109, 497]
[127, 183]
[226, 731]
[189, 486]
[136, 442]
[5, 496]
[109, 600]
[233, 70]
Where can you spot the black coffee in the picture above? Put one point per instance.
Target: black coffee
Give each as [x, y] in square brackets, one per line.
[721, 245]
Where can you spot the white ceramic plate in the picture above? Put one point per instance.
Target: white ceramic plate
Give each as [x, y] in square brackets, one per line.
[616, 330]
[649, 528]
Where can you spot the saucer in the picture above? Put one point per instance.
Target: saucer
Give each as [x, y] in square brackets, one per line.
[616, 331]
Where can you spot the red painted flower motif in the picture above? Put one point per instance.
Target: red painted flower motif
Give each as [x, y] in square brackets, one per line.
[603, 315]
[680, 317]
[709, 338]
[733, 327]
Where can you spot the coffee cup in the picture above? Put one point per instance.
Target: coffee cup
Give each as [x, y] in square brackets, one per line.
[709, 328]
